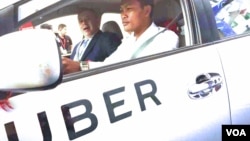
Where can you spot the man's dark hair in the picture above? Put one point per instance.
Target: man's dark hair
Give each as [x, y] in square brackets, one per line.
[46, 26]
[148, 2]
[96, 13]
[61, 26]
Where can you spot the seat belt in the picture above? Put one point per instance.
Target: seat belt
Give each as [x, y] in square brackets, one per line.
[144, 45]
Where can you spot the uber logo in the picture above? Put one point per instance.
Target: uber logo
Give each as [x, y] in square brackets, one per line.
[239, 132]
[88, 114]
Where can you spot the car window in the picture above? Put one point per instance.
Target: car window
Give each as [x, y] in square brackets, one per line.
[3, 4]
[232, 16]
[73, 28]
[32, 7]
[164, 15]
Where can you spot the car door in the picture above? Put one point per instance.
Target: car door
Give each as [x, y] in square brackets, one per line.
[235, 56]
[175, 95]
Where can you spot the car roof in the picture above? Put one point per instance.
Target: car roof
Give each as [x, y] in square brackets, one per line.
[102, 6]
[6, 3]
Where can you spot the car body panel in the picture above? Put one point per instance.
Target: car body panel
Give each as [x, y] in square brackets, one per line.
[170, 89]
[237, 76]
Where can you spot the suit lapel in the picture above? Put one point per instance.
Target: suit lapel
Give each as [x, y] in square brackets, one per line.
[91, 45]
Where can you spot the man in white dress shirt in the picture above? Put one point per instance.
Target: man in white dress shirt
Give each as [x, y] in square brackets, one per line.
[146, 38]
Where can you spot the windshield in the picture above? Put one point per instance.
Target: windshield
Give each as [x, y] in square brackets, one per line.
[32, 7]
[6, 3]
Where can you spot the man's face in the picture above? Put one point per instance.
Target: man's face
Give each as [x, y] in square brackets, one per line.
[63, 31]
[89, 23]
[132, 15]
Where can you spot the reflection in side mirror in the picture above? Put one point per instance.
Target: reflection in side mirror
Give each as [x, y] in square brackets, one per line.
[29, 60]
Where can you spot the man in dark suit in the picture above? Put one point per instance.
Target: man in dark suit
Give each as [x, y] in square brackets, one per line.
[96, 45]
[100, 47]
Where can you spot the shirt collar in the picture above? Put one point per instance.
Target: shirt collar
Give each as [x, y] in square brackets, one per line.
[149, 32]
[89, 38]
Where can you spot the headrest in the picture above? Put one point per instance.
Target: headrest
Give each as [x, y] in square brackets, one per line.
[172, 27]
[112, 26]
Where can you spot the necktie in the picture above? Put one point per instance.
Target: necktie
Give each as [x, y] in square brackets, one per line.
[81, 49]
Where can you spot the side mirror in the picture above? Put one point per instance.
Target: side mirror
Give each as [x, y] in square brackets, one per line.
[29, 60]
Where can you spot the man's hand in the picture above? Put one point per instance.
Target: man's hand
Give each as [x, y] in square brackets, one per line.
[70, 66]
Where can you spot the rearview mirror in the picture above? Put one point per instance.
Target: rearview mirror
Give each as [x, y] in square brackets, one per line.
[29, 60]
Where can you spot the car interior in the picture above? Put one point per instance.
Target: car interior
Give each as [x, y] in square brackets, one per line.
[169, 14]
[166, 14]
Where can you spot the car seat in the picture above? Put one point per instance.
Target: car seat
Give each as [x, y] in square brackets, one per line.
[164, 14]
[172, 27]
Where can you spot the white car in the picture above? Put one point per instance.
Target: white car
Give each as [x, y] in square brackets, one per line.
[198, 92]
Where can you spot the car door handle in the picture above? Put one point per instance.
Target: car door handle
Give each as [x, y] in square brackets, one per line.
[206, 84]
